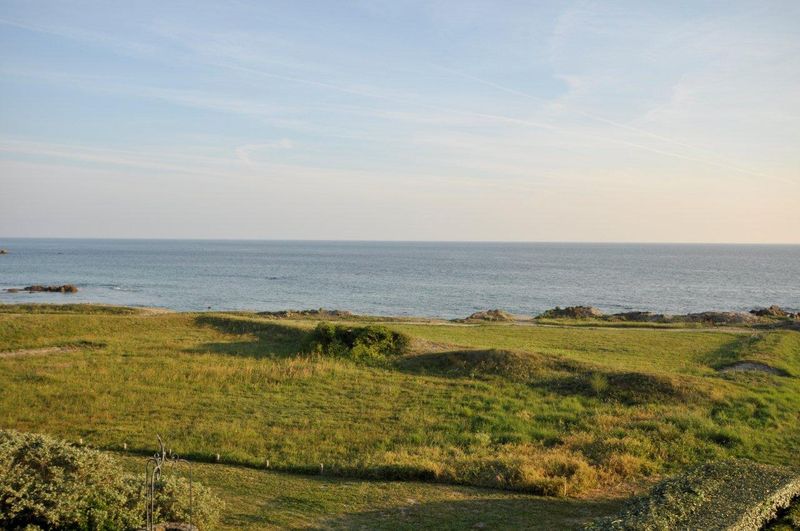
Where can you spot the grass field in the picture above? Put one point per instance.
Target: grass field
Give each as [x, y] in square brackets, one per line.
[259, 499]
[583, 412]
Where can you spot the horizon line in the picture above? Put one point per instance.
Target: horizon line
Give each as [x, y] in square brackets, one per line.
[360, 240]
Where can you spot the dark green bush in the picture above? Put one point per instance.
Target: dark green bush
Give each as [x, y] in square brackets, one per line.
[363, 343]
[46, 483]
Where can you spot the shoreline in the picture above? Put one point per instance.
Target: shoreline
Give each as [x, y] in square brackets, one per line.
[577, 315]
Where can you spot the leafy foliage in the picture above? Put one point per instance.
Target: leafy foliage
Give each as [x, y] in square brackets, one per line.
[787, 520]
[46, 483]
[730, 494]
[177, 501]
[363, 343]
[49, 484]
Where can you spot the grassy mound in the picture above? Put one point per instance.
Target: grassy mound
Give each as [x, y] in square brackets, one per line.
[46, 483]
[730, 494]
[554, 375]
[514, 366]
[630, 388]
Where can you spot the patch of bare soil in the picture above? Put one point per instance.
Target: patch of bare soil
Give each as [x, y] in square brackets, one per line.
[43, 351]
[752, 366]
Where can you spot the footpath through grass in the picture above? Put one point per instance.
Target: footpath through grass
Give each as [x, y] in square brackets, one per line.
[547, 410]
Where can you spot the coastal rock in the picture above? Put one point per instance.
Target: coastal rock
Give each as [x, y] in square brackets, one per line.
[572, 312]
[3, 251]
[491, 315]
[38, 288]
[720, 318]
[321, 313]
[640, 317]
[772, 311]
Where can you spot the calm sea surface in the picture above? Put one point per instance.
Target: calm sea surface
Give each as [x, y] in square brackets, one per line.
[422, 279]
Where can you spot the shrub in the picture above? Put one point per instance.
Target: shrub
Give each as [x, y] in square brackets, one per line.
[46, 483]
[787, 520]
[173, 502]
[49, 484]
[598, 383]
[364, 343]
[730, 494]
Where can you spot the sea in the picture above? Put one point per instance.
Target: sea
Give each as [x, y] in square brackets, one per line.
[426, 279]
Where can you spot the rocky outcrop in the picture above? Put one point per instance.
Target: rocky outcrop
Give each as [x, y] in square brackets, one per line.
[640, 317]
[321, 313]
[718, 318]
[38, 288]
[3, 251]
[491, 315]
[701, 317]
[572, 312]
[772, 311]
[711, 317]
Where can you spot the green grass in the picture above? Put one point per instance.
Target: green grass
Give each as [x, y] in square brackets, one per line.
[630, 348]
[564, 410]
[69, 308]
[260, 499]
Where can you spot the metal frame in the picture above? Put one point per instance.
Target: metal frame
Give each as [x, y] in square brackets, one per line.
[155, 466]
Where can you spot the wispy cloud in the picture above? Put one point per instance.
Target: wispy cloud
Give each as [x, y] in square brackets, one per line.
[462, 106]
[245, 152]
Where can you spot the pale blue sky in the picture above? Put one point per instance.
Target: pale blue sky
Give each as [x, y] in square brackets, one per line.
[442, 120]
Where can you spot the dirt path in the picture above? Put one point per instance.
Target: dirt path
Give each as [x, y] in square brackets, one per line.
[36, 351]
[44, 351]
[752, 366]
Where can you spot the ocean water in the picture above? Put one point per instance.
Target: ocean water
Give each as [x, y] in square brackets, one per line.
[390, 278]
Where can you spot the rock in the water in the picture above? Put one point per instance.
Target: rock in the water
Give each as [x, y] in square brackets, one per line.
[65, 288]
[572, 312]
[491, 315]
[3, 251]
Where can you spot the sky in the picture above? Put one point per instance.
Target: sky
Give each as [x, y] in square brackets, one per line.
[637, 121]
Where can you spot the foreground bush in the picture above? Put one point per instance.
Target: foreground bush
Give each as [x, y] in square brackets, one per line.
[172, 503]
[787, 520]
[732, 494]
[365, 343]
[46, 483]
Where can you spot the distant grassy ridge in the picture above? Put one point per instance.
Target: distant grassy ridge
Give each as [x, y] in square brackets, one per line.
[549, 410]
[84, 309]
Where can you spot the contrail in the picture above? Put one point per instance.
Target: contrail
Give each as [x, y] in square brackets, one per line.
[613, 123]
